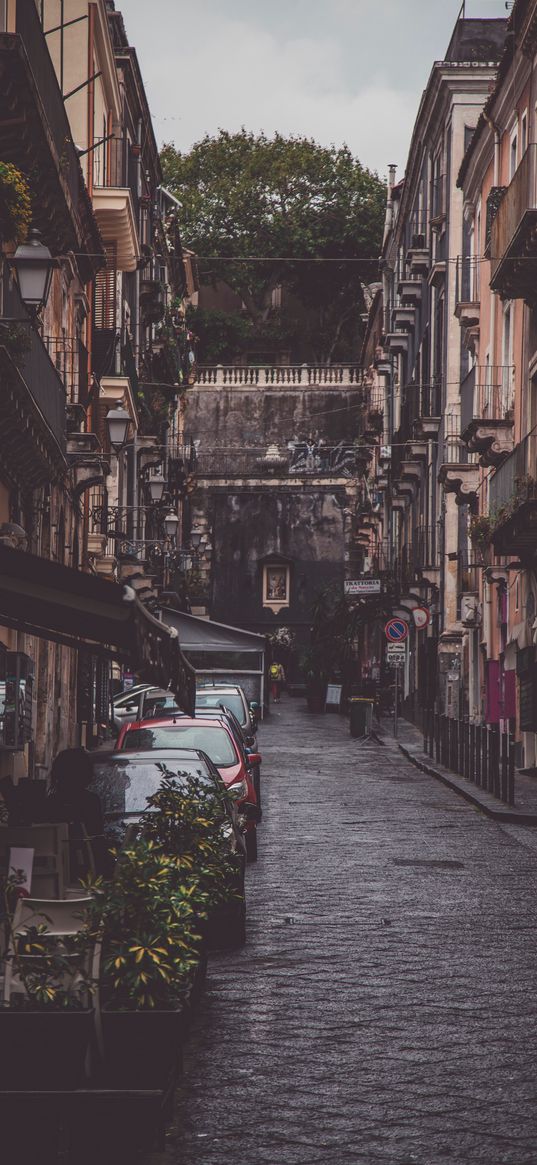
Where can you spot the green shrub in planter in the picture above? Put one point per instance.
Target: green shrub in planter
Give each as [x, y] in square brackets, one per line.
[47, 1025]
[15, 204]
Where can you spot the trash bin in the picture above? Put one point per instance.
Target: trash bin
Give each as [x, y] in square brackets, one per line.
[361, 718]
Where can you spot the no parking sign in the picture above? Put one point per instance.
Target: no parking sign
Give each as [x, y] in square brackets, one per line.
[396, 630]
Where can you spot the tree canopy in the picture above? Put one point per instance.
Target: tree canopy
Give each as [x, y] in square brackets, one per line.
[282, 200]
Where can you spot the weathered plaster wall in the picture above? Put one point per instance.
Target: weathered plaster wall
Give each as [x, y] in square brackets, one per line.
[248, 526]
[234, 417]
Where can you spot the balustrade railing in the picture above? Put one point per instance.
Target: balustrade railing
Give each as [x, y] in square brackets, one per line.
[479, 752]
[282, 375]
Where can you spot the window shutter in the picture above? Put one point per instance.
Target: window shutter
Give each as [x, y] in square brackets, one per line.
[105, 293]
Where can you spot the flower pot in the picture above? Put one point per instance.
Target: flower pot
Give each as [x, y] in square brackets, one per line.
[43, 1050]
[141, 1049]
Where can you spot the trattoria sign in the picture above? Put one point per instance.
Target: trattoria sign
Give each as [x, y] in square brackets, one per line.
[362, 586]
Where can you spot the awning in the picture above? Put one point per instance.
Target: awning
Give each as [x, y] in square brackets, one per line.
[206, 635]
[76, 609]
[520, 638]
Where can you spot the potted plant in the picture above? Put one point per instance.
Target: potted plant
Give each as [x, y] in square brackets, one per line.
[146, 922]
[151, 921]
[15, 204]
[189, 826]
[46, 1025]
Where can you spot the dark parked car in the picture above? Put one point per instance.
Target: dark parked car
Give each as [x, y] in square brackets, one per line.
[124, 781]
[231, 697]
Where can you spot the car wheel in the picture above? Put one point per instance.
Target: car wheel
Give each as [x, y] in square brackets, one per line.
[251, 845]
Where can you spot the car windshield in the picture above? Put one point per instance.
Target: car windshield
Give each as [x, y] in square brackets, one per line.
[211, 739]
[124, 786]
[229, 700]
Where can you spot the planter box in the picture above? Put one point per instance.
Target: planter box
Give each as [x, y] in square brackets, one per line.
[141, 1048]
[43, 1050]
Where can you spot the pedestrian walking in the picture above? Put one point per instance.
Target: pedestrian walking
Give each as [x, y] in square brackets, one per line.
[277, 678]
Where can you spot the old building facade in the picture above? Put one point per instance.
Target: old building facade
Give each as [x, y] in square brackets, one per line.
[415, 363]
[89, 505]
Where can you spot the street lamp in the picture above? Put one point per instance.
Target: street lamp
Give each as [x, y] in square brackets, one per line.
[171, 523]
[156, 487]
[195, 539]
[33, 265]
[118, 422]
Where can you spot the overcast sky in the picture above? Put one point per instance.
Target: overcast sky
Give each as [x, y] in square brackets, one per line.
[341, 71]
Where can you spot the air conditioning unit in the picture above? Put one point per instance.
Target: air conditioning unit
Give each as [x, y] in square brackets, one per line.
[471, 611]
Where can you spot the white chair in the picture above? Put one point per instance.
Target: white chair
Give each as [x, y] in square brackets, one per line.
[62, 918]
[50, 844]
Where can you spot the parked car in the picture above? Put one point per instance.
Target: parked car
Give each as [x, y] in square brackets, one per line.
[232, 697]
[123, 781]
[213, 737]
[146, 700]
[126, 705]
[252, 757]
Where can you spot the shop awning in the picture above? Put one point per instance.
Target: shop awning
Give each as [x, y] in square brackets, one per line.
[216, 646]
[76, 609]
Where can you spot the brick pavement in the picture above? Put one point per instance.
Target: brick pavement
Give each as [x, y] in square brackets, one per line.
[384, 1008]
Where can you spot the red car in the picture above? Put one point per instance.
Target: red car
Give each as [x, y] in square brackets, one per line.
[213, 737]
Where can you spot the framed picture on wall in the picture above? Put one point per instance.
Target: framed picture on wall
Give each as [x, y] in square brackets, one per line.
[276, 579]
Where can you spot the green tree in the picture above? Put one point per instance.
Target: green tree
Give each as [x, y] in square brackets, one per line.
[283, 199]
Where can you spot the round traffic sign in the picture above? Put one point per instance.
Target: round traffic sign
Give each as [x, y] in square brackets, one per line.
[421, 617]
[396, 630]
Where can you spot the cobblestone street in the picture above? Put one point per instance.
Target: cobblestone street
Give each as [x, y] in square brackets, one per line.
[384, 1007]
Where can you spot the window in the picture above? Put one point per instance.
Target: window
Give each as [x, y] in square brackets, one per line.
[513, 153]
[276, 579]
[523, 133]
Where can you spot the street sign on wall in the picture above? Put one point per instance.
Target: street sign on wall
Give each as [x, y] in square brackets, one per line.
[396, 630]
[395, 654]
[362, 586]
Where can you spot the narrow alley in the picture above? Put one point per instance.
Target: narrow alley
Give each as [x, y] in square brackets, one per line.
[383, 1009]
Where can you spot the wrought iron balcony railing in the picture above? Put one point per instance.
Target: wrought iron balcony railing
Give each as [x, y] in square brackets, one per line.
[512, 241]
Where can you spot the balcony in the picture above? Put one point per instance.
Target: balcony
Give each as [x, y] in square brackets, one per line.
[467, 305]
[404, 318]
[427, 554]
[32, 401]
[410, 292]
[115, 216]
[487, 409]
[513, 237]
[35, 135]
[459, 471]
[397, 343]
[513, 502]
[418, 258]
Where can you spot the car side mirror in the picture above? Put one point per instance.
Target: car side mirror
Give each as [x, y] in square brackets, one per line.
[254, 758]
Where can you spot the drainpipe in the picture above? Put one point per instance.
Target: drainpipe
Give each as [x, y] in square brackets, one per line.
[497, 140]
